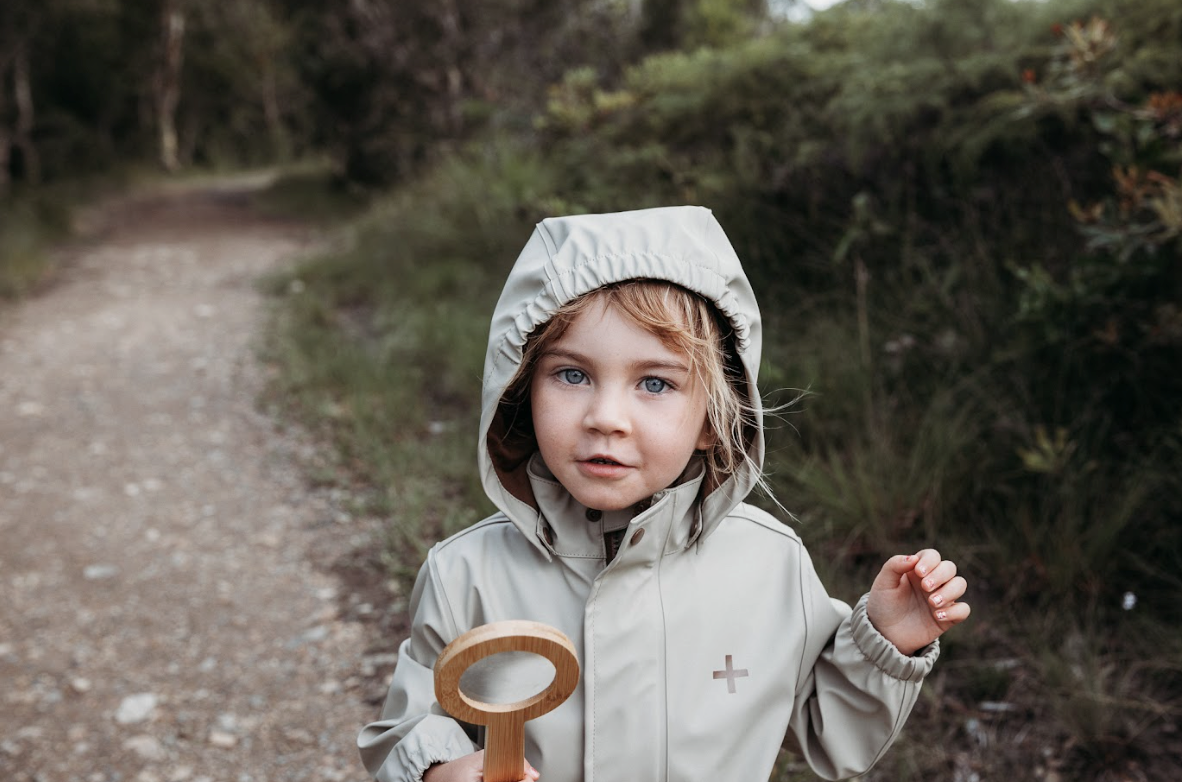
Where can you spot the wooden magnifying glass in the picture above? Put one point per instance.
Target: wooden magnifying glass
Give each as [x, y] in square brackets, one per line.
[504, 750]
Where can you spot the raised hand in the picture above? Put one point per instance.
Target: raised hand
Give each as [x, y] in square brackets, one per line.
[916, 598]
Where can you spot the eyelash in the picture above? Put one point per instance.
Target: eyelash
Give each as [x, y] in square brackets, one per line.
[563, 377]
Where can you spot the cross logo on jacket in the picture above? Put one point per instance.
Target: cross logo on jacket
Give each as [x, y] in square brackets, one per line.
[730, 674]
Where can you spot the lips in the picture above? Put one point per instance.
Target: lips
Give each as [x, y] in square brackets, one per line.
[603, 458]
[602, 466]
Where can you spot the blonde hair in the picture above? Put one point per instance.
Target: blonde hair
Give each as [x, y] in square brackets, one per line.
[684, 322]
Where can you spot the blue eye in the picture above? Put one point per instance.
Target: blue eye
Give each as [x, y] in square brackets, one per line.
[655, 385]
[573, 376]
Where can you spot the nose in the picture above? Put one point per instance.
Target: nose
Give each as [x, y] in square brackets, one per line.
[607, 412]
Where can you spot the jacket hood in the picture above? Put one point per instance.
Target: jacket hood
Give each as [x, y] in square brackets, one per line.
[567, 257]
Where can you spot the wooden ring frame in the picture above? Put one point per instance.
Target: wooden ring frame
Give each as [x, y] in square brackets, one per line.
[504, 756]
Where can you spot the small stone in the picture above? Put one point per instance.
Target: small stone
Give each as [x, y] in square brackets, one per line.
[222, 740]
[312, 635]
[299, 736]
[147, 747]
[80, 685]
[99, 572]
[180, 774]
[136, 708]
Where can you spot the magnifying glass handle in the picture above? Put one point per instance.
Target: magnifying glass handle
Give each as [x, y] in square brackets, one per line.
[504, 748]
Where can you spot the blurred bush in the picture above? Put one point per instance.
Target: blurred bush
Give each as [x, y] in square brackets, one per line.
[962, 219]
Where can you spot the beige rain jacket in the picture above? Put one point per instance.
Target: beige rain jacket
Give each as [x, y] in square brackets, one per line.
[706, 639]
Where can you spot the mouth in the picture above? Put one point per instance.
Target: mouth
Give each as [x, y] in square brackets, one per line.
[603, 459]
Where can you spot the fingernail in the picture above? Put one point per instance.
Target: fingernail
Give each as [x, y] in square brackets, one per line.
[929, 584]
[922, 570]
[942, 615]
[937, 600]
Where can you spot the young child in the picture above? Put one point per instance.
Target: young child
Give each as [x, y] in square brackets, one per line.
[620, 432]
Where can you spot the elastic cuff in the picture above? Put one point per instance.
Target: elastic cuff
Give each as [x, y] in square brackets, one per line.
[436, 739]
[885, 656]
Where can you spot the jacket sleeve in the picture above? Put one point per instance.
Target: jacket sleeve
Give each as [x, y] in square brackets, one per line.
[414, 732]
[855, 688]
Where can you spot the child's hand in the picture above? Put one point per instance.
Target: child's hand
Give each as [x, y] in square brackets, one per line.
[470, 768]
[914, 600]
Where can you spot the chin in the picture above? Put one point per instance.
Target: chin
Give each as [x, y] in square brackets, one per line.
[605, 503]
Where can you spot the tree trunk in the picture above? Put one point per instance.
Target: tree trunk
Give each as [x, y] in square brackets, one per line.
[453, 38]
[281, 145]
[168, 82]
[23, 94]
[5, 135]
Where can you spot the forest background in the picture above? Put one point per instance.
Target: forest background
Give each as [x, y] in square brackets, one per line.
[963, 219]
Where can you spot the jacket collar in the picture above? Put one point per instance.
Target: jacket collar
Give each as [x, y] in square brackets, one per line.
[670, 519]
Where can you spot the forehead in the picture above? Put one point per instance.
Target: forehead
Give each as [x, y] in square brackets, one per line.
[606, 329]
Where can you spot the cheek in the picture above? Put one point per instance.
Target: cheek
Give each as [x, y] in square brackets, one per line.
[549, 416]
[699, 421]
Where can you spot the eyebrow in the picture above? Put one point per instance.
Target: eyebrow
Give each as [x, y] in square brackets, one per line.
[579, 358]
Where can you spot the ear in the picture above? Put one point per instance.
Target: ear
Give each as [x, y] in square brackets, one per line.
[707, 439]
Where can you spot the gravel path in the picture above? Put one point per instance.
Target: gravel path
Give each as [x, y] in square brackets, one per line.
[161, 615]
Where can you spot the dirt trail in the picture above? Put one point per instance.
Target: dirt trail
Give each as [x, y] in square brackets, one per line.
[161, 619]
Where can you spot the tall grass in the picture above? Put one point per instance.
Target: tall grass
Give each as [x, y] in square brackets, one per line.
[980, 378]
[29, 227]
[380, 341]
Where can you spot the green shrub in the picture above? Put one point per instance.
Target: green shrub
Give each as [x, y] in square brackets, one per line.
[29, 226]
[961, 219]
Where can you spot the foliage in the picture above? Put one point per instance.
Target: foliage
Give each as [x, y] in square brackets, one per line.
[28, 229]
[404, 82]
[962, 221]
[381, 342]
[34, 224]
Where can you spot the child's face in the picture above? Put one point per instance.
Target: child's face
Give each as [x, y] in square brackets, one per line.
[617, 414]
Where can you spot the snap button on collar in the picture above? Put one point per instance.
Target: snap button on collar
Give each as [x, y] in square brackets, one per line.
[637, 536]
[594, 515]
[548, 534]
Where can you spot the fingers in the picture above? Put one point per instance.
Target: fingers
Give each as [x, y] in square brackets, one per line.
[894, 572]
[900, 564]
[531, 773]
[942, 586]
[926, 561]
[951, 614]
